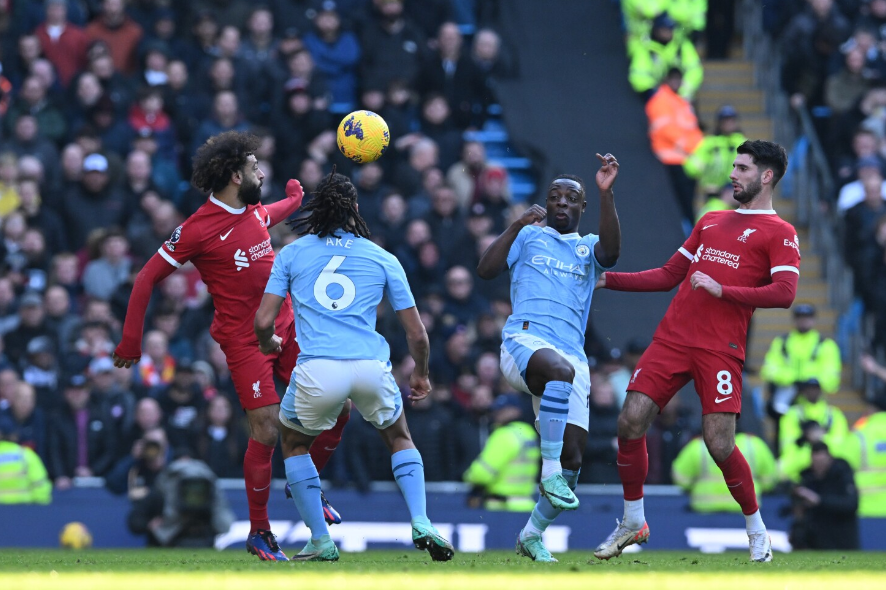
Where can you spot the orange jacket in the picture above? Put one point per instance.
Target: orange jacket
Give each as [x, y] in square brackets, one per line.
[673, 126]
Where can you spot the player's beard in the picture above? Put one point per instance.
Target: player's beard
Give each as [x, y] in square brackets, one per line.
[748, 192]
[251, 194]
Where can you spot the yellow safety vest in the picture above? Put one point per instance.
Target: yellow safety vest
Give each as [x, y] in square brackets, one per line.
[865, 450]
[798, 357]
[508, 467]
[696, 472]
[23, 478]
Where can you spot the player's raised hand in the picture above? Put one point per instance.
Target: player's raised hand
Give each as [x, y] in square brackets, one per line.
[419, 386]
[295, 191]
[124, 363]
[532, 215]
[274, 345]
[703, 281]
[607, 173]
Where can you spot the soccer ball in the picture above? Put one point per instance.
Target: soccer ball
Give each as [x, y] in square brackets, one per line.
[363, 136]
[75, 535]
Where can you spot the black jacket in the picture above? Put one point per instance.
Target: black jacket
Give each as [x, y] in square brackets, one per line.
[832, 524]
[62, 441]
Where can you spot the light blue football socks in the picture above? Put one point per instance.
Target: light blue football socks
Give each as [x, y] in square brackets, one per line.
[409, 473]
[552, 414]
[301, 473]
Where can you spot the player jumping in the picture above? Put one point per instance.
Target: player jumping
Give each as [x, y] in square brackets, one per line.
[740, 260]
[553, 273]
[337, 278]
[227, 240]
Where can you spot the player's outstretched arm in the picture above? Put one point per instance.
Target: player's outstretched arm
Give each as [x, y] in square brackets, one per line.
[495, 259]
[657, 279]
[282, 209]
[420, 349]
[268, 310]
[780, 293]
[608, 249]
[129, 351]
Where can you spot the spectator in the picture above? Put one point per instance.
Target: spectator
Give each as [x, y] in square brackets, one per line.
[117, 403]
[392, 45]
[147, 417]
[825, 504]
[431, 432]
[63, 43]
[80, 444]
[504, 475]
[437, 124]
[805, 423]
[9, 318]
[59, 318]
[41, 217]
[103, 275]
[798, 356]
[336, 54]
[602, 446]
[653, 57]
[32, 324]
[696, 472]
[843, 91]
[863, 450]
[450, 72]
[670, 432]
[463, 304]
[674, 133]
[23, 477]
[860, 248]
[135, 474]
[465, 175]
[95, 203]
[711, 162]
[120, 32]
[446, 221]
[40, 370]
[853, 193]
[25, 419]
[222, 440]
[148, 117]
[807, 44]
[184, 410]
[492, 65]
[225, 117]
[156, 367]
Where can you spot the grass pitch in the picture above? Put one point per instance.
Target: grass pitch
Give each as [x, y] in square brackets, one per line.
[388, 570]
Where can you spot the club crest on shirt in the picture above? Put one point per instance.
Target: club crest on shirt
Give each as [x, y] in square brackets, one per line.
[583, 250]
[260, 220]
[745, 235]
[174, 238]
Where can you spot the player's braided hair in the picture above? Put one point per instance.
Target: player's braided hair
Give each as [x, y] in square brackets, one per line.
[333, 208]
[221, 156]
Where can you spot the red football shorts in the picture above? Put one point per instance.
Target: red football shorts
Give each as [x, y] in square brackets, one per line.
[665, 368]
[253, 372]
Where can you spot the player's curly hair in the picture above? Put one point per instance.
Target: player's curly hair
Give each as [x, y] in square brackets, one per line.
[221, 156]
[333, 208]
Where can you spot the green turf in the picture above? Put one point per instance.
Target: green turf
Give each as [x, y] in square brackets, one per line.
[492, 570]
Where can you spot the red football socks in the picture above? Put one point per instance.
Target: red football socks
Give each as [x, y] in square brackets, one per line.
[740, 482]
[257, 473]
[325, 444]
[633, 465]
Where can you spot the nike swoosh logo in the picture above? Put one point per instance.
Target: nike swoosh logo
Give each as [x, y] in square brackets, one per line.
[621, 465]
[261, 489]
[328, 449]
[721, 400]
[225, 236]
[735, 486]
[567, 500]
[707, 226]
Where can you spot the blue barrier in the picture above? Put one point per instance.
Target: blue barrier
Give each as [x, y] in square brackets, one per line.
[378, 520]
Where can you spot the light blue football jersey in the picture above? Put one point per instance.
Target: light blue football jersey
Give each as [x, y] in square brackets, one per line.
[336, 286]
[552, 283]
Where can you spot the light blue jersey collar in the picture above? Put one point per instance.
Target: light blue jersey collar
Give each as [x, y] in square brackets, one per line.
[556, 234]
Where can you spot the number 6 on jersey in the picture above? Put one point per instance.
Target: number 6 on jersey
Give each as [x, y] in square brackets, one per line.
[328, 277]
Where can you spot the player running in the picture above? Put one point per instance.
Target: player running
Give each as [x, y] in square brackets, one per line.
[732, 263]
[337, 278]
[553, 273]
[227, 240]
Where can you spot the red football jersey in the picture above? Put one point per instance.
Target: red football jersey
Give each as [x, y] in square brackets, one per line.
[231, 249]
[742, 248]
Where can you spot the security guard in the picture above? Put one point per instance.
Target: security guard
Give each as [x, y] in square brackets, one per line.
[689, 14]
[695, 471]
[23, 478]
[810, 420]
[800, 355]
[711, 162]
[652, 57]
[505, 475]
[865, 450]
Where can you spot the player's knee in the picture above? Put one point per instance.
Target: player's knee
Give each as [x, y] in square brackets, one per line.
[720, 447]
[562, 371]
[629, 426]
